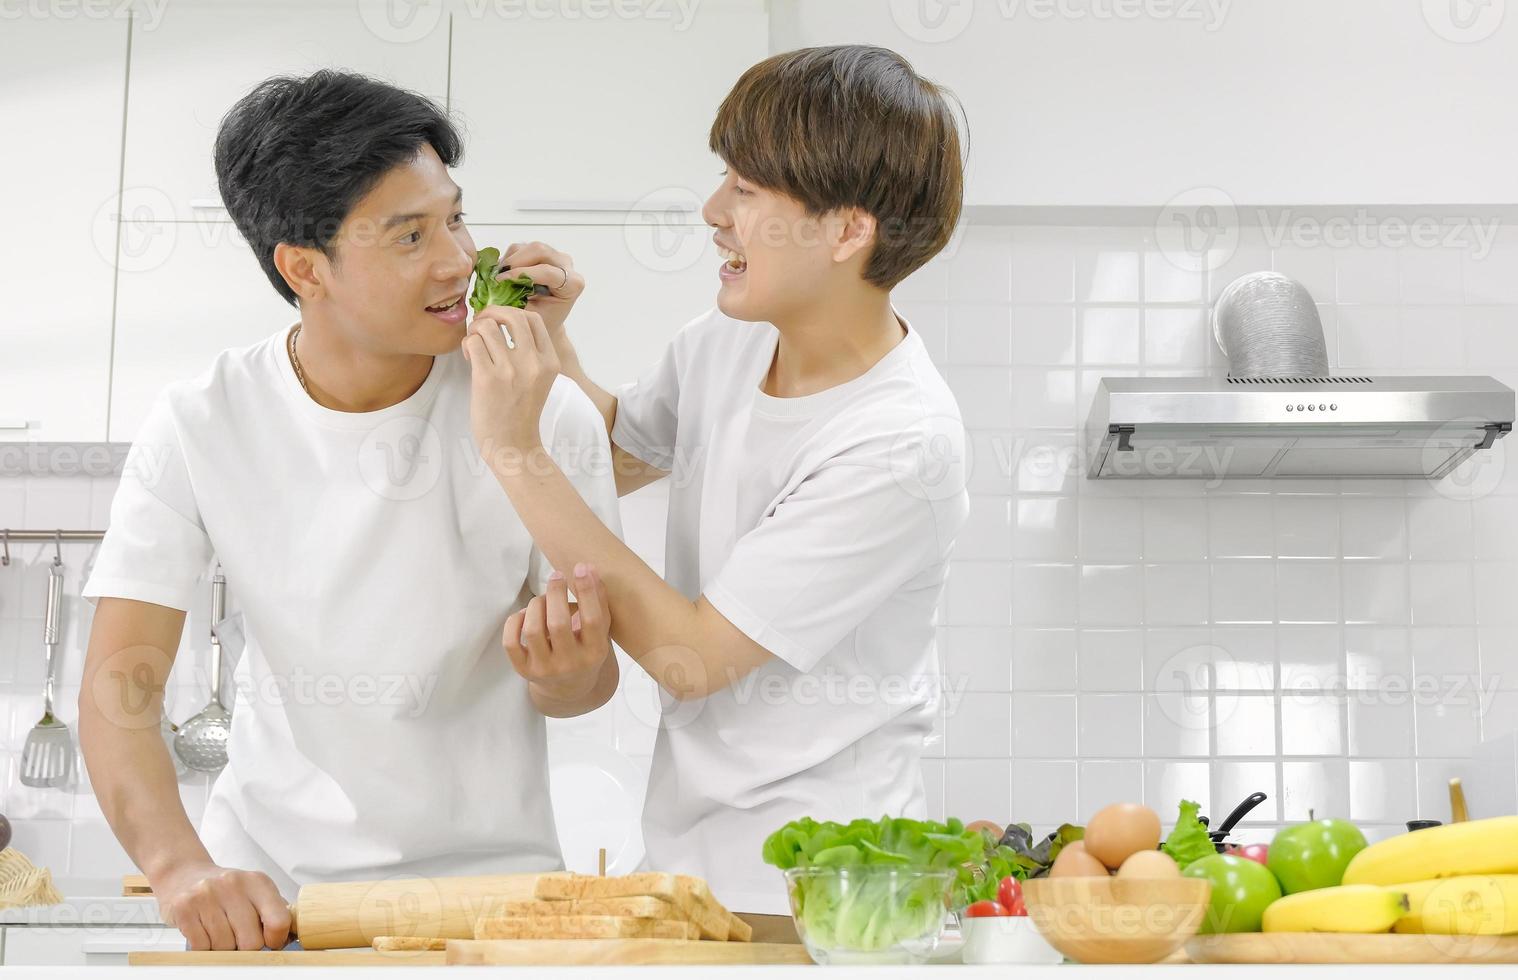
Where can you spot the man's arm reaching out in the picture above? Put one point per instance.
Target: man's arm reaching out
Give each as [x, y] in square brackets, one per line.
[690, 648]
[547, 266]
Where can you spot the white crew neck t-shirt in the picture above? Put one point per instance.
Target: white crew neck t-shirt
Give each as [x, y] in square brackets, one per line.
[821, 527]
[379, 728]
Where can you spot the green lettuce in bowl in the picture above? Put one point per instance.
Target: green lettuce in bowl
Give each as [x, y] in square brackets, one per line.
[869, 913]
[877, 890]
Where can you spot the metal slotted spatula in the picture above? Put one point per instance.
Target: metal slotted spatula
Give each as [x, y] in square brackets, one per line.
[47, 759]
[202, 741]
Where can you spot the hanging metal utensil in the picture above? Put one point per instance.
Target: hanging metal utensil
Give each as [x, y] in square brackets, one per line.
[202, 741]
[169, 731]
[47, 759]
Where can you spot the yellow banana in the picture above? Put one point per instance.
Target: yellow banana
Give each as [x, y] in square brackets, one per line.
[1470, 905]
[1474, 847]
[1344, 908]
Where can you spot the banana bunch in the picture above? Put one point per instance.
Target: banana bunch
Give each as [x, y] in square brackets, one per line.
[1460, 879]
[1345, 908]
[1473, 847]
[1466, 905]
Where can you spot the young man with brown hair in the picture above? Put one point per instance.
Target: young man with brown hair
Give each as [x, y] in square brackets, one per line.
[817, 460]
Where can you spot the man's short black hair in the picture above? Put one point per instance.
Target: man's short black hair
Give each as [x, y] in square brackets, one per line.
[295, 155]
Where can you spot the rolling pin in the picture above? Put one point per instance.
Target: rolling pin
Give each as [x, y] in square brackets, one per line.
[343, 915]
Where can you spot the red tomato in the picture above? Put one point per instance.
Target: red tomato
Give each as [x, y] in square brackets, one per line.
[984, 910]
[1009, 895]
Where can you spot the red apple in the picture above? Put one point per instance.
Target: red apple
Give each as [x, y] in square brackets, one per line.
[1254, 852]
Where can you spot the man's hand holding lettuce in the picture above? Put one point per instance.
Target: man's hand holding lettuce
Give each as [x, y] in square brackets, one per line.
[490, 291]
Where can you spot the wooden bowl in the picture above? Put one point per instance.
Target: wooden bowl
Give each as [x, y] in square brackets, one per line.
[1117, 920]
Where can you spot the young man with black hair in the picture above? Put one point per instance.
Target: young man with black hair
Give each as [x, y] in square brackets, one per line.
[379, 729]
[818, 469]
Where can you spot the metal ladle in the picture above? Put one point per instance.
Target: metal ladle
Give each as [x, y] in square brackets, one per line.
[202, 741]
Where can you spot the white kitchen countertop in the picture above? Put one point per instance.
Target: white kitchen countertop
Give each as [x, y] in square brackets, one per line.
[1068, 972]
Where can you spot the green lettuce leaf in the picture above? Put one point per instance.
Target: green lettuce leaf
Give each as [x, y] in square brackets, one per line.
[490, 291]
[1188, 842]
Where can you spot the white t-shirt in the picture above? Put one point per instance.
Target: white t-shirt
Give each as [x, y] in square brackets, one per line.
[379, 728]
[821, 527]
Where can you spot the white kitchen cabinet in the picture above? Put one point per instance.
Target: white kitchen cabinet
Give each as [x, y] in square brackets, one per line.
[61, 91]
[197, 57]
[1287, 102]
[187, 291]
[189, 287]
[102, 945]
[570, 115]
[43, 946]
[643, 282]
[114, 947]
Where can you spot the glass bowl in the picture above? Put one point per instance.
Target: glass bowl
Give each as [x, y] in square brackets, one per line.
[869, 914]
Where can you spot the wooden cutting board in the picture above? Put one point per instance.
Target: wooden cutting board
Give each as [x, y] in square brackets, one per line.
[276, 957]
[620, 952]
[1325, 947]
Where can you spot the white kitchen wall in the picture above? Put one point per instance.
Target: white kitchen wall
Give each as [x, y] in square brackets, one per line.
[1087, 103]
[1360, 633]
[1361, 636]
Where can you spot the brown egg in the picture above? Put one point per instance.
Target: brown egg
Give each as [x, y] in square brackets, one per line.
[1074, 862]
[1149, 864]
[1120, 830]
[987, 827]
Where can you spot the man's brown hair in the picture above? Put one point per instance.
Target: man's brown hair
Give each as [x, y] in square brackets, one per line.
[851, 126]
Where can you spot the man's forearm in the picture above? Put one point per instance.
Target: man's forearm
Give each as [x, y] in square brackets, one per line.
[135, 783]
[605, 401]
[680, 643]
[630, 472]
[120, 709]
[646, 613]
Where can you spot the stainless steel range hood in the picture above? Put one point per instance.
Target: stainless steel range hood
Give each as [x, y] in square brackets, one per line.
[1256, 427]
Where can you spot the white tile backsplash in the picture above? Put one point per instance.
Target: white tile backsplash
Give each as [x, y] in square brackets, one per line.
[1043, 336]
[1110, 660]
[1314, 789]
[1043, 266]
[1246, 724]
[1282, 626]
[1111, 726]
[1044, 725]
[1343, 646]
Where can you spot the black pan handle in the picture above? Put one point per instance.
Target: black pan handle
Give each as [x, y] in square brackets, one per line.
[1239, 813]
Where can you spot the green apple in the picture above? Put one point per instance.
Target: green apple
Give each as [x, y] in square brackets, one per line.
[1241, 889]
[1314, 855]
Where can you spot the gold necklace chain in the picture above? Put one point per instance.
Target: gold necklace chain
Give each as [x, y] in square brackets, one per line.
[300, 375]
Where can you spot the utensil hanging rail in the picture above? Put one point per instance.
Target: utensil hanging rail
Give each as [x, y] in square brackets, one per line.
[57, 536]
